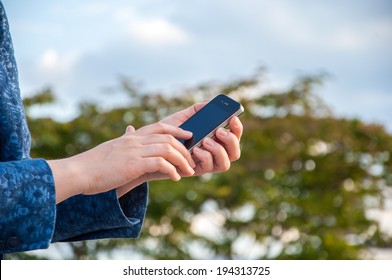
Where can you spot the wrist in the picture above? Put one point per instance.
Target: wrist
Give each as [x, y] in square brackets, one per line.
[67, 178]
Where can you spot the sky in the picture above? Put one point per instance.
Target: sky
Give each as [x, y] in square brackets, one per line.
[80, 48]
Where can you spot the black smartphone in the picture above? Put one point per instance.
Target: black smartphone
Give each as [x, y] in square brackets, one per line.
[216, 113]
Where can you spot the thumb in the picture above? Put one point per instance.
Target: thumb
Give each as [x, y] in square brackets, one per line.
[130, 129]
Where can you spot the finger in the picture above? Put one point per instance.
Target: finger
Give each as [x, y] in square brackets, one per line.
[163, 128]
[170, 154]
[206, 163]
[220, 157]
[166, 138]
[129, 129]
[190, 111]
[158, 164]
[236, 127]
[230, 142]
[183, 115]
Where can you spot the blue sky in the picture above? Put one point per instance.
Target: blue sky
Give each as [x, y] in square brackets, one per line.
[82, 47]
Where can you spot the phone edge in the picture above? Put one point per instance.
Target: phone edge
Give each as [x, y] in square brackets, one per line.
[223, 124]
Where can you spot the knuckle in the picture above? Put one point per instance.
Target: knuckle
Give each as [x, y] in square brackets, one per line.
[167, 148]
[204, 155]
[161, 126]
[133, 142]
[128, 139]
[169, 138]
[208, 156]
[159, 163]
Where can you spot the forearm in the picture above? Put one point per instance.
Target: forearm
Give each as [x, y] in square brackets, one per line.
[81, 174]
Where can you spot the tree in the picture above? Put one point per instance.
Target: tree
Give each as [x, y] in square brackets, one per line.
[302, 189]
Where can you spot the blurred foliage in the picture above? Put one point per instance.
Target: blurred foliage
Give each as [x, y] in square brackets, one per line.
[303, 188]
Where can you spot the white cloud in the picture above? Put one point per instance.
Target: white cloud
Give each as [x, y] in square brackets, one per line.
[158, 31]
[154, 31]
[49, 60]
[56, 65]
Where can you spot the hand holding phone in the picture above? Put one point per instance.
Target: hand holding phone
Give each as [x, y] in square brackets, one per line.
[216, 113]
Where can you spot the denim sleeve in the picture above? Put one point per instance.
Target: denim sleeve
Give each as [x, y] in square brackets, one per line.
[85, 217]
[27, 205]
[30, 220]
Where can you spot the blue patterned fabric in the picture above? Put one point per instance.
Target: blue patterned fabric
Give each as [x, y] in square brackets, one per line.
[29, 217]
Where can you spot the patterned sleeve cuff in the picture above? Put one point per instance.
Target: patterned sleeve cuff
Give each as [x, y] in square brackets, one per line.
[85, 217]
[27, 205]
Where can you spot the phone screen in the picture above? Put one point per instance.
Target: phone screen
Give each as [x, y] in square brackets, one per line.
[209, 118]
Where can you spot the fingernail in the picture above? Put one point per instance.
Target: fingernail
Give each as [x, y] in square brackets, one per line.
[191, 171]
[129, 129]
[222, 131]
[237, 121]
[209, 142]
[189, 133]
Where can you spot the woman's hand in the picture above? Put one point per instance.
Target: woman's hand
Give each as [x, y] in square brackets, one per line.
[126, 160]
[214, 155]
[149, 153]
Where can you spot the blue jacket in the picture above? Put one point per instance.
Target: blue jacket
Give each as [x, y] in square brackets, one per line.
[29, 216]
